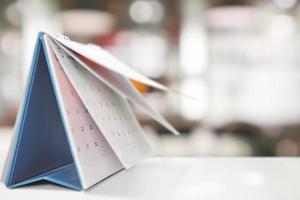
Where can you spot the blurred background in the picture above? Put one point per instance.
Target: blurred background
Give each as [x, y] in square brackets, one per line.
[238, 57]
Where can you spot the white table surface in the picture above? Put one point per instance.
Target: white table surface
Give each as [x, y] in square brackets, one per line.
[180, 178]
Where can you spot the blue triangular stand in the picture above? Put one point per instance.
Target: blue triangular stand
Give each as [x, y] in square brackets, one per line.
[41, 150]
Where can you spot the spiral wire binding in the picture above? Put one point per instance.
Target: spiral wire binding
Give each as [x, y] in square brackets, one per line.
[63, 37]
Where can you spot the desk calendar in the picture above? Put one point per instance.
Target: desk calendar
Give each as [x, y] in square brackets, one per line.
[75, 126]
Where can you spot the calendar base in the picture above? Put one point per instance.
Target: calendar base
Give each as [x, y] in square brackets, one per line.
[42, 152]
[64, 176]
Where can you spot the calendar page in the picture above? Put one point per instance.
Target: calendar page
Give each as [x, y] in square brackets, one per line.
[94, 157]
[117, 82]
[102, 57]
[110, 111]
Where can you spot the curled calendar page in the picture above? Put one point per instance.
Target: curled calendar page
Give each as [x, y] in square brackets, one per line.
[115, 74]
[75, 126]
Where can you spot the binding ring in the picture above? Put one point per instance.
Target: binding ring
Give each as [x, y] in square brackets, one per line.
[63, 37]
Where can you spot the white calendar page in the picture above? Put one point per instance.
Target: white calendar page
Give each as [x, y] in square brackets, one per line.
[100, 56]
[121, 85]
[109, 110]
[95, 160]
[115, 74]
